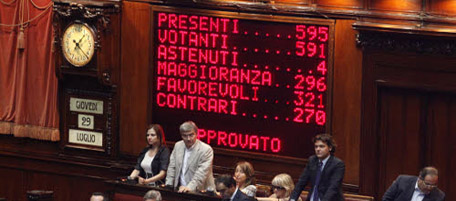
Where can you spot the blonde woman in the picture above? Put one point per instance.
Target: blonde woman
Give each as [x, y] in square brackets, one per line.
[282, 185]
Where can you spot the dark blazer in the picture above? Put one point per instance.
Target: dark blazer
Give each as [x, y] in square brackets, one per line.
[160, 162]
[403, 187]
[330, 187]
[240, 196]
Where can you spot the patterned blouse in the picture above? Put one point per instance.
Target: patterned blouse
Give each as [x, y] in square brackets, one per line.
[250, 190]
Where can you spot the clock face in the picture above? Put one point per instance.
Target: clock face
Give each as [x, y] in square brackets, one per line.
[78, 44]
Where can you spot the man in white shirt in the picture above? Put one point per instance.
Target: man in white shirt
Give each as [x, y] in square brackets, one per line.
[413, 188]
[190, 166]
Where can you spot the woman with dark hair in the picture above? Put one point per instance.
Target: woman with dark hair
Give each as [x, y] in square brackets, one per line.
[245, 179]
[153, 160]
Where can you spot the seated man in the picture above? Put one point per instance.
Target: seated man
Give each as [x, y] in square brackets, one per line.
[413, 188]
[226, 186]
[152, 195]
[97, 196]
[190, 166]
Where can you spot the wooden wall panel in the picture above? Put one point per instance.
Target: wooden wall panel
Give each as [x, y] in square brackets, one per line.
[396, 5]
[11, 186]
[135, 60]
[442, 127]
[369, 146]
[341, 3]
[110, 61]
[407, 120]
[416, 129]
[399, 133]
[64, 187]
[69, 181]
[347, 99]
[303, 2]
[441, 7]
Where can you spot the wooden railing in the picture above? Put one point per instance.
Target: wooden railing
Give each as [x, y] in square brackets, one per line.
[132, 192]
[265, 191]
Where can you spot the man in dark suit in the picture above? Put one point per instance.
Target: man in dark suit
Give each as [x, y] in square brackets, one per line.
[226, 186]
[413, 188]
[324, 171]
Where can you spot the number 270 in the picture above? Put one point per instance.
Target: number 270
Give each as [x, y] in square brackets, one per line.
[308, 114]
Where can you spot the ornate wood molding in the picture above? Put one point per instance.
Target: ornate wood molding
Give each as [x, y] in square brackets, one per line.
[87, 10]
[406, 40]
[99, 12]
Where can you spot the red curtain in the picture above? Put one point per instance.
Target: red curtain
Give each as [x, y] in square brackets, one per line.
[28, 85]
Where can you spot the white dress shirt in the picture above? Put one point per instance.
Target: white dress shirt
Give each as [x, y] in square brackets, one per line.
[418, 195]
[187, 154]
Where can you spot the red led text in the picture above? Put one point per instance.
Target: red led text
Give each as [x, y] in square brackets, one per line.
[193, 22]
[215, 73]
[238, 140]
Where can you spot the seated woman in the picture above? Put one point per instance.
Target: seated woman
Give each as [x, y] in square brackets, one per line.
[282, 186]
[244, 177]
[153, 160]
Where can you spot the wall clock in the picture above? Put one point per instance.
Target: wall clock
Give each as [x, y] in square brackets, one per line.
[78, 44]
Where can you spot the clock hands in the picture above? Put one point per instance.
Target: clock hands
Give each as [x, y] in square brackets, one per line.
[77, 46]
[83, 52]
[79, 42]
[81, 39]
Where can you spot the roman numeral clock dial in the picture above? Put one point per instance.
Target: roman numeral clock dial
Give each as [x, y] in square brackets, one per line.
[78, 44]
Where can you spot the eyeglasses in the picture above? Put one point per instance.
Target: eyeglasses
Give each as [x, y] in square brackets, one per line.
[428, 185]
[277, 187]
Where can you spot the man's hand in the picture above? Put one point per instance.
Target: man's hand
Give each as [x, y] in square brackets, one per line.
[141, 180]
[183, 189]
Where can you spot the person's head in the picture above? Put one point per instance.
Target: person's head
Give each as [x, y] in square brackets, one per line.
[155, 135]
[225, 185]
[152, 195]
[244, 174]
[324, 145]
[282, 185]
[427, 179]
[98, 196]
[188, 131]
